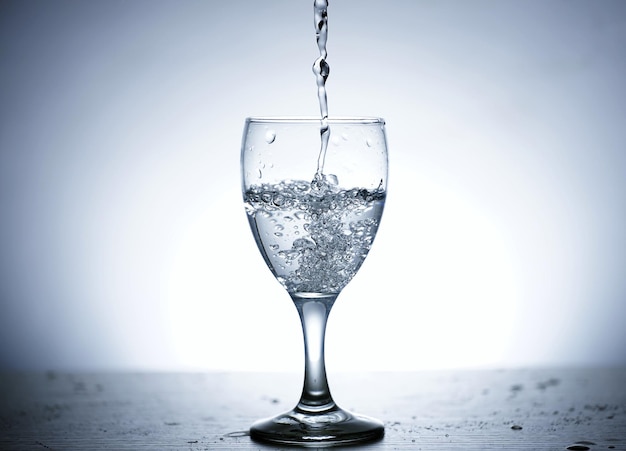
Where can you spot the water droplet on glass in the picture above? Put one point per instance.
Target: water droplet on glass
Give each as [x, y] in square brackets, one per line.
[270, 136]
[369, 142]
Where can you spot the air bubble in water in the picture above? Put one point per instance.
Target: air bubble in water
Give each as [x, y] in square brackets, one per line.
[331, 230]
[270, 136]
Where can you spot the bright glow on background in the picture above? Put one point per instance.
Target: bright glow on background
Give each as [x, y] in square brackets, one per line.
[124, 241]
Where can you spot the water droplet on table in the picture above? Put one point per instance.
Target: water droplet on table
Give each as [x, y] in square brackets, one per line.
[238, 434]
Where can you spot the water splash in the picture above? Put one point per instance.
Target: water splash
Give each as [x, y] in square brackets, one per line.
[321, 69]
[327, 237]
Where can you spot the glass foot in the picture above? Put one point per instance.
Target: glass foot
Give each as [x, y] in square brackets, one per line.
[332, 427]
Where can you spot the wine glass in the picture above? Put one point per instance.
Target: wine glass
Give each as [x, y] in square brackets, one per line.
[314, 213]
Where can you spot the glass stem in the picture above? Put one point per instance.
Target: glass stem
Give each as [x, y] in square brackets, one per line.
[313, 316]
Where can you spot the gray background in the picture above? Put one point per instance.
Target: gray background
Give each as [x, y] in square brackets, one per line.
[125, 245]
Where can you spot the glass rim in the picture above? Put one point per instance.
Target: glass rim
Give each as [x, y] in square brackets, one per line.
[315, 120]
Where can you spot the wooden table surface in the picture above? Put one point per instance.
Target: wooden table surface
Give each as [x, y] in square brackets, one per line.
[543, 409]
